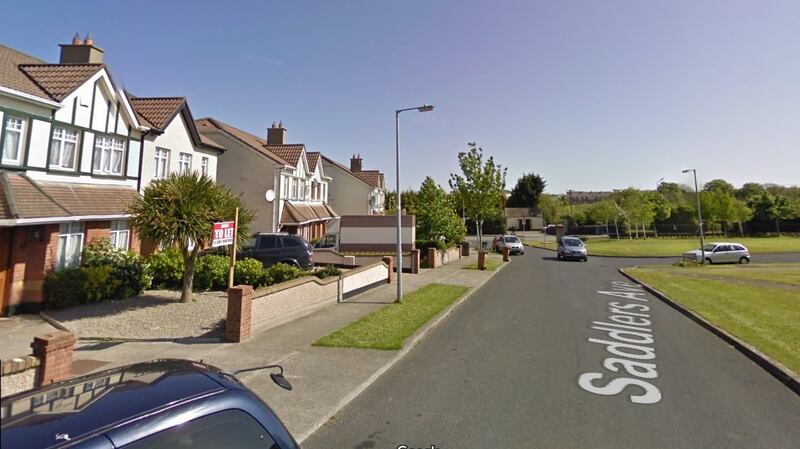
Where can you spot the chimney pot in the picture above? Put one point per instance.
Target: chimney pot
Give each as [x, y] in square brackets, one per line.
[76, 39]
[355, 163]
[280, 124]
[276, 135]
[88, 40]
[78, 52]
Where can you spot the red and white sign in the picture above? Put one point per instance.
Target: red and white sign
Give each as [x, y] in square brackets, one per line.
[222, 234]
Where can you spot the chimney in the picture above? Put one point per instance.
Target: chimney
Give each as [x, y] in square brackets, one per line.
[355, 163]
[276, 135]
[81, 52]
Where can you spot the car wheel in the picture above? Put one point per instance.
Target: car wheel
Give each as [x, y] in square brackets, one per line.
[585, 259]
[708, 261]
[558, 256]
[744, 260]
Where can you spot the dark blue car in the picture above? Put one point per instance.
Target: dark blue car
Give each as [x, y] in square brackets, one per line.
[159, 404]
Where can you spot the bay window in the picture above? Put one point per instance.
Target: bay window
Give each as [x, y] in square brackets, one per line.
[120, 234]
[63, 149]
[13, 139]
[70, 245]
[109, 154]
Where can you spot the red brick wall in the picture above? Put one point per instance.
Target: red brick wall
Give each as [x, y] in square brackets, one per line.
[96, 230]
[31, 259]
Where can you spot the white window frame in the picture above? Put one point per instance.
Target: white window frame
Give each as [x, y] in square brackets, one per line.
[67, 233]
[184, 163]
[105, 147]
[120, 234]
[59, 140]
[162, 162]
[18, 127]
[204, 166]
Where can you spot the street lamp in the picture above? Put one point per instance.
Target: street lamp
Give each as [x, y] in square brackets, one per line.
[699, 215]
[399, 258]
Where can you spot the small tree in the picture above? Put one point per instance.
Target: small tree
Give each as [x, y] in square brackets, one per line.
[179, 211]
[436, 217]
[781, 209]
[527, 191]
[741, 213]
[480, 185]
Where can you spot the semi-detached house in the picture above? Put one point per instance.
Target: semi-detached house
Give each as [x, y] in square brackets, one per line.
[73, 160]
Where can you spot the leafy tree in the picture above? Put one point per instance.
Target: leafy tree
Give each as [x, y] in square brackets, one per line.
[481, 185]
[662, 209]
[717, 205]
[741, 213]
[678, 195]
[527, 191]
[436, 217]
[781, 209]
[719, 185]
[179, 211]
[635, 208]
[552, 208]
[749, 191]
[605, 211]
[409, 202]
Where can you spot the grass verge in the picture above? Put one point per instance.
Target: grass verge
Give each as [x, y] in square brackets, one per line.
[758, 303]
[388, 327]
[492, 263]
[677, 246]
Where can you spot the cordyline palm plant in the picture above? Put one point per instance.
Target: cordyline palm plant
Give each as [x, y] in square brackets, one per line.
[179, 211]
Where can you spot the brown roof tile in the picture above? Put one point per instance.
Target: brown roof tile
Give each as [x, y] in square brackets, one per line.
[40, 199]
[210, 126]
[290, 153]
[297, 213]
[158, 111]
[313, 159]
[13, 78]
[59, 80]
[371, 177]
[354, 174]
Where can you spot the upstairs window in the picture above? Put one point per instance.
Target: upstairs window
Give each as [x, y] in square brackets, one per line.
[109, 154]
[184, 163]
[204, 166]
[13, 138]
[162, 163]
[63, 149]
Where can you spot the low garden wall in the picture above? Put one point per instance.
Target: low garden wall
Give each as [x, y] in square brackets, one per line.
[18, 374]
[438, 257]
[278, 304]
[328, 256]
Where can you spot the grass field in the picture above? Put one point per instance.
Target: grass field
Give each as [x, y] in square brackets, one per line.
[675, 247]
[389, 327]
[758, 303]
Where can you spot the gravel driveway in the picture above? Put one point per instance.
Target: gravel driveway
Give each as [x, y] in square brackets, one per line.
[154, 315]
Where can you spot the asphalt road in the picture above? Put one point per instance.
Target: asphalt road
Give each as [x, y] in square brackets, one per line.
[503, 372]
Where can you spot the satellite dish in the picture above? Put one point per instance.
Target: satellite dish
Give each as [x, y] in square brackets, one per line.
[270, 195]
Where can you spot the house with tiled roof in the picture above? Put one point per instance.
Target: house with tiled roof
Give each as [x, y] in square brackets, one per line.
[172, 142]
[284, 184]
[355, 191]
[70, 165]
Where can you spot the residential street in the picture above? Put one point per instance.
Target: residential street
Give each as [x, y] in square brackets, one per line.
[502, 371]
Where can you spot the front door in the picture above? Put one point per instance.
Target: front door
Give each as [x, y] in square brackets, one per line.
[5, 250]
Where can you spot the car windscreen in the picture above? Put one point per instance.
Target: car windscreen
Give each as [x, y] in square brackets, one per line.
[572, 242]
[709, 247]
[511, 240]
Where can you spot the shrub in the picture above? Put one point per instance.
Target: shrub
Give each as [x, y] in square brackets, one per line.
[100, 285]
[281, 272]
[65, 288]
[249, 272]
[166, 269]
[211, 273]
[128, 269]
[423, 245]
[327, 271]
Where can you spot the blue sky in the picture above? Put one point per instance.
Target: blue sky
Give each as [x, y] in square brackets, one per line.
[590, 94]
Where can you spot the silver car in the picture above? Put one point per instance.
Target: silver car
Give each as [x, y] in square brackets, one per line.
[720, 252]
[572, 248]
[512, 242]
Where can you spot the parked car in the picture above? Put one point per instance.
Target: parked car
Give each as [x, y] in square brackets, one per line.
[550, 230]
[720, 252]
[158, 404]
[272, 248]
[513, 243]
[572, 248]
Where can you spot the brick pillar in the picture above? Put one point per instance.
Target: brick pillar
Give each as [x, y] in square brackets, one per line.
[415, 261]
[389, 261]
[482, 259]
[54, 351]
[505, 254]
[432, 258]
[465, 249]
[238, 324]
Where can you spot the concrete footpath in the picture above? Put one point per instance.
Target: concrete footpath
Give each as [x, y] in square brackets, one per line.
[324, 379]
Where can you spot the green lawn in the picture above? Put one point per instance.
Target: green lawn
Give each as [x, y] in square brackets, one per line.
[758, 303]
[677, 246]
[390, 326]
[492, 263]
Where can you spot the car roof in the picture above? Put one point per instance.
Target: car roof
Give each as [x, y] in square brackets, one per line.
[725, 243]
[89, 405]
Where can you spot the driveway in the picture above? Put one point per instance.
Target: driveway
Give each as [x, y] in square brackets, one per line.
[529, 361]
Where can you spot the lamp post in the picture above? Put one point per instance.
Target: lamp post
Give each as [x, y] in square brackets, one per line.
[699, 215]
[399, 257]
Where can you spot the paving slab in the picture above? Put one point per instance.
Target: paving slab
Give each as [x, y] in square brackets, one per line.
[17, 332]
